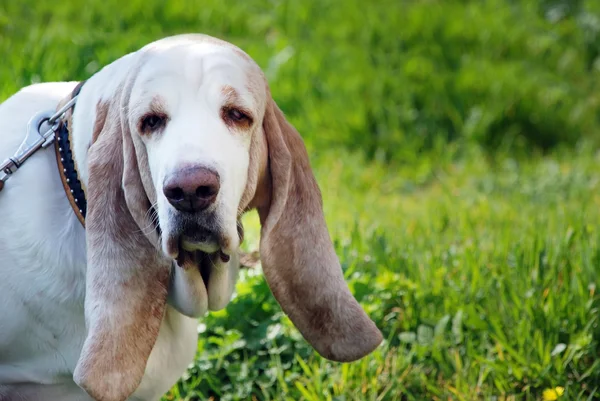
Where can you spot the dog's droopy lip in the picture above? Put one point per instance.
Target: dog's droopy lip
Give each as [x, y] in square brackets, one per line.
[196, 260]
[172, 246]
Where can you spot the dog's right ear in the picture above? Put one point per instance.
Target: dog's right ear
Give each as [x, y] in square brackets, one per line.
[127, 276]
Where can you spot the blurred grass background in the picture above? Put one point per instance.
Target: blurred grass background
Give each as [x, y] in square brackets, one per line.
[456, 146]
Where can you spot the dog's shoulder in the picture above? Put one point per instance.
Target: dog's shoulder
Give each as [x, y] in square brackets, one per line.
[42, 248]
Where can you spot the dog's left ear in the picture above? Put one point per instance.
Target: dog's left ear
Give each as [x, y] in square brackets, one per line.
[127, 275]
[298, 258]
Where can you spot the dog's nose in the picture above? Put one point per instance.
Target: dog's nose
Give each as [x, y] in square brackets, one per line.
[192, 189]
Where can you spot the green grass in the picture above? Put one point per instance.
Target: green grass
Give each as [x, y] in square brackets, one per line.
[482, 277]
[454, 142]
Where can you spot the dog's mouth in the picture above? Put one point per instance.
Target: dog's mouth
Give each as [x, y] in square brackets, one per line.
[189, 247]
[206, 263]
[203, 254]
[207, 250]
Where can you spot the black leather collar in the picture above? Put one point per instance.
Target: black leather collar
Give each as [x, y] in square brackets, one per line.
[67, 165]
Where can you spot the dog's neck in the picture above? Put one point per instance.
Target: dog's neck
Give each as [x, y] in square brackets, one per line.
[100, 89]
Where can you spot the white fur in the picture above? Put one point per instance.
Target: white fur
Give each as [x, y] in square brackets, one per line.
[42, 244]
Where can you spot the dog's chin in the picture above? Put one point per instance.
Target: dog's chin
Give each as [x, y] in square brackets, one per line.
[206, 264]
[198, 248]
[203, 262]
[203, 278]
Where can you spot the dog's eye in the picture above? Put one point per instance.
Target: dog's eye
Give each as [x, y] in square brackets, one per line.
[233, 115]
[236, 115]
[152, 123]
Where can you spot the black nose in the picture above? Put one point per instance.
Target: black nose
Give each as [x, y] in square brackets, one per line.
[192, 189]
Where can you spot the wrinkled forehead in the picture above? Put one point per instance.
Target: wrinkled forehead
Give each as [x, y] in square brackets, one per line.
[201, 67]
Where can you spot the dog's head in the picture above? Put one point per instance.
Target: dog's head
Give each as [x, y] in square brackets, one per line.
[189, 141]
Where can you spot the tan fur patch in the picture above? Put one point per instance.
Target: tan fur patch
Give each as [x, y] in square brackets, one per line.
[229, 93]
[101, 114]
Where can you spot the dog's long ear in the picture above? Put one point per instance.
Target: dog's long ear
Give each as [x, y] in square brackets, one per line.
[127, 276]
[298, 258]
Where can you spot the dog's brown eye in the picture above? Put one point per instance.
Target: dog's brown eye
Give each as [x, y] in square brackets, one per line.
[236, 116]
[152, 122]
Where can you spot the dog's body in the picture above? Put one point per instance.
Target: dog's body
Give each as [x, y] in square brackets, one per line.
[104, 311]
[43, 263]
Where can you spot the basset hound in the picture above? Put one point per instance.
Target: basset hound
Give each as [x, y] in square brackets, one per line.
[116, 238]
